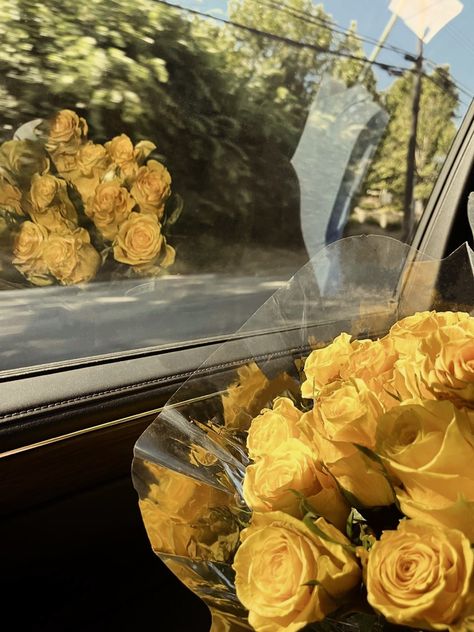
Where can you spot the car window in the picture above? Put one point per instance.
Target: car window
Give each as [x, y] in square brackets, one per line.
[164, 169]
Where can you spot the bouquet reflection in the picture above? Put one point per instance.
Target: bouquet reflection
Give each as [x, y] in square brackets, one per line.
[71, 208]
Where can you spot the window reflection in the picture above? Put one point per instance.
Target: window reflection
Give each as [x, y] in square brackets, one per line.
[268, 132]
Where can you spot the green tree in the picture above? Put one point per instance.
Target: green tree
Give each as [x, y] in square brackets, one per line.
[225, 107]
[145, 70]
[275, 83]
[353, 71]
[436, 130]
[279, 76]
[439, 102]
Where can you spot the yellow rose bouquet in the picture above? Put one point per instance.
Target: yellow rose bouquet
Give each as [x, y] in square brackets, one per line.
[327, 483]
[72, 210]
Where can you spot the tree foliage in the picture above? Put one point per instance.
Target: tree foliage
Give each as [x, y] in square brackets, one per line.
[353, 71]
[436, 130]
[282, 78]
[222, 122]
[225, 107]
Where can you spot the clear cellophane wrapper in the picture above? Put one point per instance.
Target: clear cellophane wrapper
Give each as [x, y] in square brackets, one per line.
[189, 464]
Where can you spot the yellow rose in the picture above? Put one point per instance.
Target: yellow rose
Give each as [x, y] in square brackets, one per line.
[10, 197]
[186, 517]
[348, 411]
[127, 157]
[270, 483]
[71, 258]
[91, 158]
[152, 187]
[164, 260]
[243, 398]
[287, 576]
[250, 392]
[447, 369]
[48, 193]
[272, 427]
[20, 159]
[407, 379]
[372, 361]
[363, 478]
[55, 219]
[110, 207]
[123, 154]
[66, 132]
[355, 472]
[420, 575]
[371, 356]
[407, 333]
[28, 249]
[165, 535]
[66, 166]
[139, 240]
[44, 189]
[309, 426]
[84, 169]
[120, 150]
[143, 149]
[49, 204]
[323, 365]
[429, 450]
[91, 165]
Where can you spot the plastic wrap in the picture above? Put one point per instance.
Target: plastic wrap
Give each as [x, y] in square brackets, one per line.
[190, 463]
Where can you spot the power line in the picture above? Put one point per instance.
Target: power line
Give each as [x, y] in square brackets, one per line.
[459, 36]
[281, 38]
[312, 19]
[390, 68]
[332, 26]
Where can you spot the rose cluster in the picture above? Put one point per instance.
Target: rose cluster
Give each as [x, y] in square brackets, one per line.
[363, 490]
[77, 204]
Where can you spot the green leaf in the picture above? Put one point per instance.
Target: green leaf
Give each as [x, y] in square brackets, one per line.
[355, 520]
[305, 506]
[349, 496]
[354, 621]
[105, 253]
[312, 582]
[308, 521]
[394, 395]
[369, 453]
[11, 216]
[377, 459]
[174, 215]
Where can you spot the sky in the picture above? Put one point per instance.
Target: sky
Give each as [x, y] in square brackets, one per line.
[453, 45]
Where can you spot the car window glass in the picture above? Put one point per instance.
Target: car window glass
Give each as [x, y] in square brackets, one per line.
[165, 168]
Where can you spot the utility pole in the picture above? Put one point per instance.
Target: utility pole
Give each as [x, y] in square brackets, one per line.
[408, 207]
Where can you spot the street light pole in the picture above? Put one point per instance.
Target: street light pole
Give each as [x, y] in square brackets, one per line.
[378, 47]
[408, 207]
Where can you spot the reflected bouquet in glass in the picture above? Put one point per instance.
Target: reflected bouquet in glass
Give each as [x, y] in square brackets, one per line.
[70, 208]
[316, 472]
